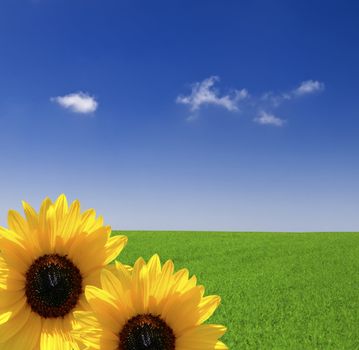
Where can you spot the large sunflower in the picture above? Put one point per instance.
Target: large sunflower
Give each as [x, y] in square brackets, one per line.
[46, 261]
[151, 308]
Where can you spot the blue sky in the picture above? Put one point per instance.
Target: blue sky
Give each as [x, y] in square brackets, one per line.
[203, 115]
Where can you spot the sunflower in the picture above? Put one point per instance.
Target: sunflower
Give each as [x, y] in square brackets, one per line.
[150, 308]
[46, 261]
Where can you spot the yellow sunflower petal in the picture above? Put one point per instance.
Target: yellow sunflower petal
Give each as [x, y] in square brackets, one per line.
[23, 228]
[96, 297]
[207, 307]
[11, 285]
[181, 311]
[220, 346]
[87, 329]
[4, 317]
[88, 219]
[111, 284]
[17, 223]
[71, 220]
[45, 205]
[89, 332]
[16, 256]
[54, 337]
[31, 215]
[180, 281]
[14, 325]
[154, 267]
[30, 334]
[104, 304]
[163, 285]
[9, 298]
[202, 337]
[61, 207]
[124, 274]
[140, 287]
[11, 236]
[114, 247]
[44, 237]
[51, 228]
[98, 223]
[92, 257]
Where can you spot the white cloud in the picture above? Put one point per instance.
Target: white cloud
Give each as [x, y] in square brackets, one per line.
[265, 118]
[305, 88]
[78, 102]
[308, 87]
[275, 99]
[203, 93]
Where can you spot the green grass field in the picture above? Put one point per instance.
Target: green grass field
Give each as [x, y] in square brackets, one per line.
[279, 290]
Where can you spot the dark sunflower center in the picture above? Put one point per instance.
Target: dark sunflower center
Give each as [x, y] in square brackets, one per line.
[53, 285]
[146, 332]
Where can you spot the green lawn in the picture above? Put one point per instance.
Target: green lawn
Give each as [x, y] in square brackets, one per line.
[279, 290]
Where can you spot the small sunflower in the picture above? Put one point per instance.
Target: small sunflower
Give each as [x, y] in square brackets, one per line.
[150, 308]
[46, 261]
